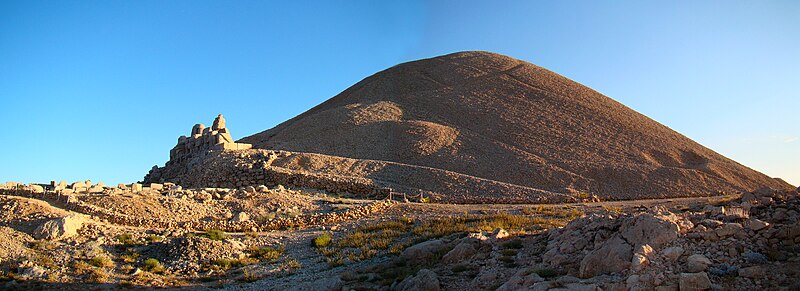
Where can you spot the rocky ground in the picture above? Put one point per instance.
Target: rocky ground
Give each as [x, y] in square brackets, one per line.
[194, 238]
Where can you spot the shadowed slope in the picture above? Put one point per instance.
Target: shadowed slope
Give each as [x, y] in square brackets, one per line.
[498, 118]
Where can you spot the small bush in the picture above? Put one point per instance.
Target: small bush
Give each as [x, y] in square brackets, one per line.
[153, 266]
[126, 239]
[99, 276]
[216, 234]
[130, 257]
[101, 262]
[354, 240]
[154, 238]
[248, 276]
[266, 254]
[44, 245]
[323, 240]
[81, 267]
[335, 260]
[293, 264]
[227, 263]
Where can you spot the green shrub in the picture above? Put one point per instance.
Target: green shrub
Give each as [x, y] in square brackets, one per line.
[154, 238]
[266, 254]
[216, 234]
[153, 266]
[227, 263]
[126, 239]
[293, 264]
[101, 262]
[323, 240]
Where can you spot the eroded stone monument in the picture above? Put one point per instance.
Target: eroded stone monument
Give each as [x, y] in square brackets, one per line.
[201, 141]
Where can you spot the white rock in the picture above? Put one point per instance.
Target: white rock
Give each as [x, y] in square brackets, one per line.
[638, 262]
[499, 233]
[697, 263]
[756, 224]
[672, 253]
[60, 228]
[241, 217]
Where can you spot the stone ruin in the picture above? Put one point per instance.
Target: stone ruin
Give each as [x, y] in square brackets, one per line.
[203, 139]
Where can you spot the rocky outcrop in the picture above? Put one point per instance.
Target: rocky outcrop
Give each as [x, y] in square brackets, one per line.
[424, 280]
[60, 228]
[596, 245]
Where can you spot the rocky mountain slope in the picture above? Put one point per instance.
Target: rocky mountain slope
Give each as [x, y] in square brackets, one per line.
[497, 118]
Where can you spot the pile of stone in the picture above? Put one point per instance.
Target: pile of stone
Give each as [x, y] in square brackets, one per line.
[187, 254]
[236, 169]
[237, 223]
[748, 241]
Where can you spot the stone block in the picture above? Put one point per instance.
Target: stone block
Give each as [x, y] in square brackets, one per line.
[136, 187]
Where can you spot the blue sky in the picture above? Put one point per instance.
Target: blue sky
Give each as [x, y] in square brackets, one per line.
[102, 89]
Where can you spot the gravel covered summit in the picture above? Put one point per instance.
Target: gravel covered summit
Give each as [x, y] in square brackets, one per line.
[498, 118]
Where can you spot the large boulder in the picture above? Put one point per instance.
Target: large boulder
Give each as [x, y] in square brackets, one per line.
[461, 252]
[424, 252]
[424, 280]
[614, 255]
[697, 263]
[36, 188]
[649, 229]
[60, 228]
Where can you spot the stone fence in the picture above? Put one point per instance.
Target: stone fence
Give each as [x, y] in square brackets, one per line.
[71, 202]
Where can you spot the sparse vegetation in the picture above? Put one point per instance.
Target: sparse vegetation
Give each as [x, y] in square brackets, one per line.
[248, 276]
[322, 240]
[215, 234]
[154, 238]
[44, 245]
[226, 264]
[101, 262]
[553, 211]
[126, 239]
[266, 254]
[153, 266]
[130, 257]
[99, 275]
[292, 264]
[81, 267]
